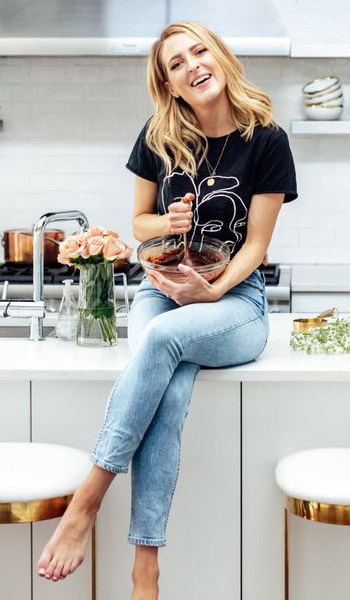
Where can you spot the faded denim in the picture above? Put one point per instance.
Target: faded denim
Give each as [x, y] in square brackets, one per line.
[148, 405]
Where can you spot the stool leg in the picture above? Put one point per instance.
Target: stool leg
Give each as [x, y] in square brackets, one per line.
[286, 556]
[93, 564]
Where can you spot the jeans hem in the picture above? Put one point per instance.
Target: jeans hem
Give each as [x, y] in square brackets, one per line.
[146, 541]
[106, 466]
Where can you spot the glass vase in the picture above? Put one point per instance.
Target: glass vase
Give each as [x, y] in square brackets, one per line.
[97, 325]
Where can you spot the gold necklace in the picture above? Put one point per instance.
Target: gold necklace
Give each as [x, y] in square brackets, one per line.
[212, 174]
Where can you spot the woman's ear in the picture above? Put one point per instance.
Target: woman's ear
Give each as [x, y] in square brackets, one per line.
[169, 88]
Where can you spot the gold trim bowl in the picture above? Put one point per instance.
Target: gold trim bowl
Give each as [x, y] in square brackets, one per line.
[320, 84]
[323, 113]
[323, 100]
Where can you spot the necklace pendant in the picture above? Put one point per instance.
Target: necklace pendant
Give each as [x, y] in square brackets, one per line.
[211, 181]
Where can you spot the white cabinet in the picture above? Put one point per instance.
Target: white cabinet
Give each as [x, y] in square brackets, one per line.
[202, 556]
[278, 419]
[316, 302]
[15, 564]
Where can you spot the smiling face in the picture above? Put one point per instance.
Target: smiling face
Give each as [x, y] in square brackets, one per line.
[192, 71]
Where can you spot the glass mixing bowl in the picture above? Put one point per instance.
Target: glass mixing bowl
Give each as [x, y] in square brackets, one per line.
[206, 255]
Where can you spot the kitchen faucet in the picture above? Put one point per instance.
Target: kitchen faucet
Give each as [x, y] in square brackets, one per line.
[36, 308]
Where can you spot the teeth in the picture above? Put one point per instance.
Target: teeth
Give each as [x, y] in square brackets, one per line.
[204, 78]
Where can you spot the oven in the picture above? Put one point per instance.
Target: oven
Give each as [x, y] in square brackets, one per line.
[20, 285]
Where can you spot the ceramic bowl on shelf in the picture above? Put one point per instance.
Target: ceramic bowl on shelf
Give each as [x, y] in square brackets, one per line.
[323, 99]
[207, 256]
[323, 113]
[337, 95]
[320, 84]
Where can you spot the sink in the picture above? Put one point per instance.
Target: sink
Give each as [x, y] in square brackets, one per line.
[14, 331]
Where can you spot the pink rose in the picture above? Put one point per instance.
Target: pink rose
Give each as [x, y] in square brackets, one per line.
[81, 237]
[69, 248]
[63, 260]
[114, 248]
[111, 233]
[95, 231]
[84, 249]
[95, 244]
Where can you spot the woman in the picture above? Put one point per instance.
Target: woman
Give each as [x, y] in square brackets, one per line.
[213, 137]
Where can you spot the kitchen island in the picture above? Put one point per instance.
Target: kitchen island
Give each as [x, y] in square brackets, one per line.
[227, 511]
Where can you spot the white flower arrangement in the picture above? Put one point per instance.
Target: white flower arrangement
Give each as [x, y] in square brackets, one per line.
[332, 339]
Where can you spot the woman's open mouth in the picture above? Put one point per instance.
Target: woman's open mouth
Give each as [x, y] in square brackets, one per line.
[201, 82]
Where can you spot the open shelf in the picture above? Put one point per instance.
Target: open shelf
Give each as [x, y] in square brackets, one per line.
[327, 50]
[309, 127]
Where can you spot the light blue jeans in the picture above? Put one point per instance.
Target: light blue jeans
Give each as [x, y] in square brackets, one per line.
[147, 406]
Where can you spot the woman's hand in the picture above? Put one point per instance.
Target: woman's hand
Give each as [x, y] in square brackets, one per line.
[194, 289]
[180, 215]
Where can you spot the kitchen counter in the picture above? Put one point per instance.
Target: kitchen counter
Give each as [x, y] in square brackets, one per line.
[53, 359]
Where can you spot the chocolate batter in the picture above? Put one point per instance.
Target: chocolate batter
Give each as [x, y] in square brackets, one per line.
[176, 256]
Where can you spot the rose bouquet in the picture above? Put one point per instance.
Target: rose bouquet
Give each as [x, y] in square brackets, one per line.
[93, 252]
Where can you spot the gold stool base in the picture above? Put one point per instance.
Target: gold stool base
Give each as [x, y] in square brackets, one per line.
[321, 512]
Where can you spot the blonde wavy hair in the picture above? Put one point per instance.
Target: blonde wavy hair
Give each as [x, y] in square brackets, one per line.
[174, 125]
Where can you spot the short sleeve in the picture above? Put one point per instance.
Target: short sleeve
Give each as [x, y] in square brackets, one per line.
[142, 160]
[274, 168]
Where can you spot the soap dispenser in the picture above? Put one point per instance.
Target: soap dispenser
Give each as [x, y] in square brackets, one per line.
[67, 317]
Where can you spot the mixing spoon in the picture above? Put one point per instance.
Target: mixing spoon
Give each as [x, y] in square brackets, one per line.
[186, 258]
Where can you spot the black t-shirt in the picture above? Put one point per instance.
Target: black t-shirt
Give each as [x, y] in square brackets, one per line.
[259, 166]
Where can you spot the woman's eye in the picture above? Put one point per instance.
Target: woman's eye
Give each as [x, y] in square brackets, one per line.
[201, 50]
[174, 66]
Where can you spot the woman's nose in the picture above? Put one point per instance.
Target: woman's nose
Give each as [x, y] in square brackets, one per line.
[192, 64]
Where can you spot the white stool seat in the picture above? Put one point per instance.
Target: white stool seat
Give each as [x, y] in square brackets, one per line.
[30, 471]
[321, 475]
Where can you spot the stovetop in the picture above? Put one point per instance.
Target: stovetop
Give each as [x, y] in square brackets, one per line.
[56, 275]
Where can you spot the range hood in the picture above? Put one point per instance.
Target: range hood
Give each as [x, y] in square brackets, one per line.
[129, 27]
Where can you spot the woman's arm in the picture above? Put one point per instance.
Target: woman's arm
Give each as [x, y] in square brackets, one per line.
[147, 223]
[262, 217]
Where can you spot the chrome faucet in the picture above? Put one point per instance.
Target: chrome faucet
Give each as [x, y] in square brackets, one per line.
[36, 308]
[36, 328]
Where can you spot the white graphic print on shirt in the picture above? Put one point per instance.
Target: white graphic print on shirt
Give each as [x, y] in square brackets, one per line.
[222, 189]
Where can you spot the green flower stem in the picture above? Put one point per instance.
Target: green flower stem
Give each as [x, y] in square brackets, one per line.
[96, 301]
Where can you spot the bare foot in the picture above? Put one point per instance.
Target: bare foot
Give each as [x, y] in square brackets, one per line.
[66, 549]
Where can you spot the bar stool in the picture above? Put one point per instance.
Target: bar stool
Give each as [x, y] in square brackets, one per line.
[37, 482]
[316, 486]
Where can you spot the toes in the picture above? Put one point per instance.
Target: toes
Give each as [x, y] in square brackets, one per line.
[57, 571]
[75, 563]
[44, 562]
[50, 569]
[66, 569]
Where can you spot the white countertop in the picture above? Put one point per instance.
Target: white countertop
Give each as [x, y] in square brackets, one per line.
[321, 278]
[53, 359]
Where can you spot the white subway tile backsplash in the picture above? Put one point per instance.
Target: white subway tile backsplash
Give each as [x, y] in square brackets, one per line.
[5, 92]
[338, 254]
[65, 91]
[13, 73]
[300, 254]
[317, 236]
[31, 92]
[46, 74]
[70, 124]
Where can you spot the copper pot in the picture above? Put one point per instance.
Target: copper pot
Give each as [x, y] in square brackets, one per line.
[18, 246]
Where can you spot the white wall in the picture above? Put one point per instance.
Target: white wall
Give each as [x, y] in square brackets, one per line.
[70, 123]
